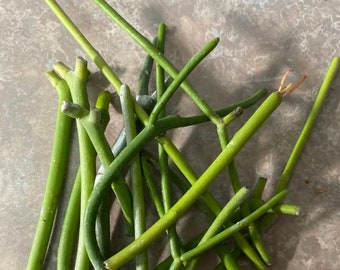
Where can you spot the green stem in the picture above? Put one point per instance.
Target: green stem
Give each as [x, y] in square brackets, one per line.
[236, 184]
[175, 245]
[181, 76]
[103, 230]
[70, 229]
[304, 135]
[55, 178]
[70, 226]
[144, 76]
[223, 159]
[152, 188]
[234, 228]
[158, 57]
[210, 201]
[77, 82]
[91, 122]
[85, 44]
[259, 188]
[136, 174]
[220, 220]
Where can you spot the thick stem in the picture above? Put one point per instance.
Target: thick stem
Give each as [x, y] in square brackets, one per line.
[76, 80]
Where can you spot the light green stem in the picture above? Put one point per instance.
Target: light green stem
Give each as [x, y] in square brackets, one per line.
[309, 124]
[236, 184]
[234, 228]
[175, 245]
[180, 77]
[220, 220]
[304, 135]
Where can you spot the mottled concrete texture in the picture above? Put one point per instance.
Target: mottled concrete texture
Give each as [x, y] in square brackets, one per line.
[259, 41]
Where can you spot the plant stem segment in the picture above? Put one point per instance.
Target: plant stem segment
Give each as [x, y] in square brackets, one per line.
[135, 174]
[55, 177]
[303, 137]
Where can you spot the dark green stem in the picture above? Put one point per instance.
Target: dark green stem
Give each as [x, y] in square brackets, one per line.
[135, 173]
[70, 229]
[55, 177]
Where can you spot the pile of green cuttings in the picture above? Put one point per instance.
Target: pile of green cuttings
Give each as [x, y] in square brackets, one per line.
[134, 176]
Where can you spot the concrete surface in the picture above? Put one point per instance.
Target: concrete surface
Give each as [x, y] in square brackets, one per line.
[259, 41]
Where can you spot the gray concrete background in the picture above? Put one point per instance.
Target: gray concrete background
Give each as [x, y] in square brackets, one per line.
[259, 41]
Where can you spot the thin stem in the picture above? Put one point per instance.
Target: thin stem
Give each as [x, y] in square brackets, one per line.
[85, 44]
[70, 228]
[152, 188]
[303, 137]
[144, 76]
[234, 228]
[175, 245]
[220, 220]
[55, 178]
[103, 230]
[94, 129]
[181, 76]
[259, 188]
[136, 174]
